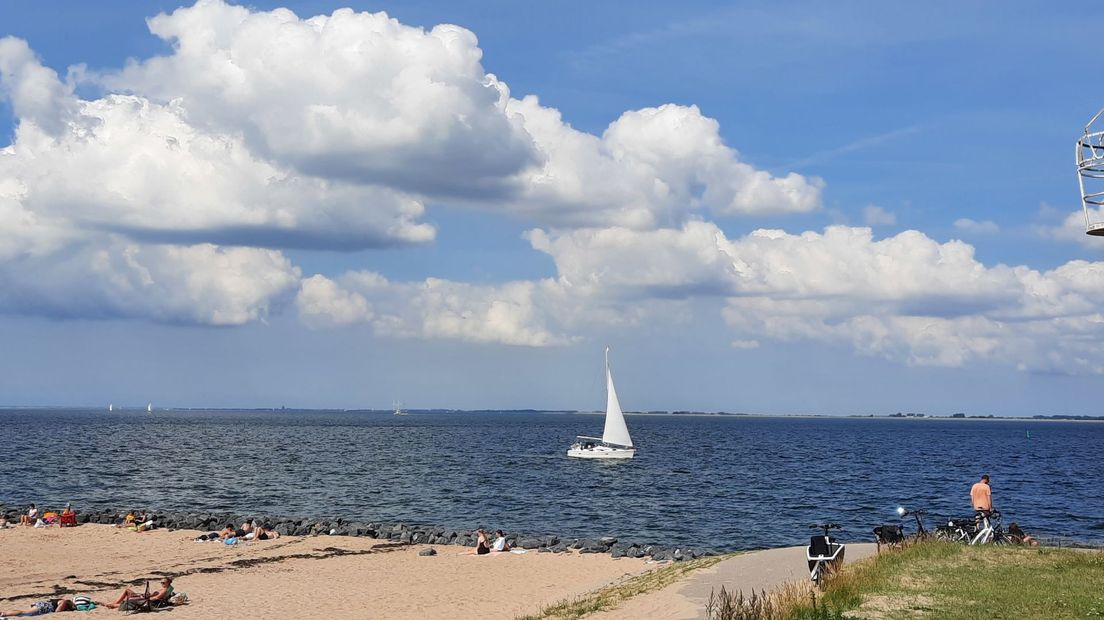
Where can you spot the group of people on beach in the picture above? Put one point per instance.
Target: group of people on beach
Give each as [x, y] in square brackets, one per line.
[136, 522]
[128, 600]
[33, 518]
[250, 530]
[482, 547]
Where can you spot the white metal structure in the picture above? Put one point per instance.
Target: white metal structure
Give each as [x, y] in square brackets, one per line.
[615, 442]
[1090, 175]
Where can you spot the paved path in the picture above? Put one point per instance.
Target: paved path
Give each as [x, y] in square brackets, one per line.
[749, 572]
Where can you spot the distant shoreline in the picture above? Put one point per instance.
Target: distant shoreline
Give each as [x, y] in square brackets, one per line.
[703, 414]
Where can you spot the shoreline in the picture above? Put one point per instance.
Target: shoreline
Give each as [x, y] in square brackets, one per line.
[382, 531]
[681, 414]
[296, 576]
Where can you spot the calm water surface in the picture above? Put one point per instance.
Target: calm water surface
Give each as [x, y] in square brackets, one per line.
[726, 482]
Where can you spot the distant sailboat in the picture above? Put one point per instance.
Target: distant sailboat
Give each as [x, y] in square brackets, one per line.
[111, 407]
[149, 408]
[615, 442]
[398, 409]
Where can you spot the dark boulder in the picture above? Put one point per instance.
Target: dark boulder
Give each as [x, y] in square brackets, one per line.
[430, 551]
[529, 543]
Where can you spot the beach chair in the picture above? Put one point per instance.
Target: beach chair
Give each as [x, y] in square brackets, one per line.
[138, 604]
[68, 519]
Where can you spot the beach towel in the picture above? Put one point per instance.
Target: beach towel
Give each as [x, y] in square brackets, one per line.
[230, 541]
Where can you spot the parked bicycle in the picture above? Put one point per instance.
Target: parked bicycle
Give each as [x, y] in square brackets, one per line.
[922, 532]
[990, 529]
[824, 555]
[957, 530]
[894, 535]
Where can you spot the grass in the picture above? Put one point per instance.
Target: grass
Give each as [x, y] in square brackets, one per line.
[957, 582]
[611, 596]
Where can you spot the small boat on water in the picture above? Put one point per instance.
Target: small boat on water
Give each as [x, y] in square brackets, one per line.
[110, 407]
[615, 442]
[398, 409]
[149, 408]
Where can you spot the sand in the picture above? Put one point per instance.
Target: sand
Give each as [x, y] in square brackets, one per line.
[295, 577]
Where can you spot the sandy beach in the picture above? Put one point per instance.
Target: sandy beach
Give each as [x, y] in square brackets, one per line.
[300, 577]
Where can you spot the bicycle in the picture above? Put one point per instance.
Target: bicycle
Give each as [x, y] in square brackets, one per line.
[956, 530]
[823, 554]
[922, 532]
[990, 529]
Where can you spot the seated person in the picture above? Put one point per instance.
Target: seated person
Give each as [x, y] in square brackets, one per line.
[130, 600]
[48, 606]
[1021, 537]
[30, 517]
[145, 521]
[127, 521]
[68, 510]
[481, 545]
[500, 543]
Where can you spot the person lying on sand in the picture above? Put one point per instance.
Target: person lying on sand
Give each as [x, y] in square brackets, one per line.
[38, 608]
[130, 600]
[256, 531]
[263, 533]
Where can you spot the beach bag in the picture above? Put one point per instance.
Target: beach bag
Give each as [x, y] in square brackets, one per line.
[83, 603]
[180, 598]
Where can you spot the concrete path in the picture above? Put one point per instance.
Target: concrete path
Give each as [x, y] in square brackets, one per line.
[750, 572]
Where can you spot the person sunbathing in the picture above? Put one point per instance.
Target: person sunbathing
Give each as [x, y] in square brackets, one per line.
[129, 600]
[231, 532]
[482, 547]
[500, 543]
[30, 517]
[260, 532]
[39, 608]
[127, 521]
[1020, 537]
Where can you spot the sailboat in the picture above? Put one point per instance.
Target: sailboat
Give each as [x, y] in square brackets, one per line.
[615, 442]
[110, 407]
[398, 409]
[149, 408]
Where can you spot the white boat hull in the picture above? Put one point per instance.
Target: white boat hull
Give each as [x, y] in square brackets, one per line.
[601, 452]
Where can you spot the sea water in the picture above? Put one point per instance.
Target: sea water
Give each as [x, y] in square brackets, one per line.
[727, 482]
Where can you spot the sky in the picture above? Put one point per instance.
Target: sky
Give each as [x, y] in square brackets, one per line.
[838, 209]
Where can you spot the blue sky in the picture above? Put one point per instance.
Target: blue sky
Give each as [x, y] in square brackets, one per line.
[396, 257]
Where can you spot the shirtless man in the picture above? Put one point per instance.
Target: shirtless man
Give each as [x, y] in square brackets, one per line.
[981, 495]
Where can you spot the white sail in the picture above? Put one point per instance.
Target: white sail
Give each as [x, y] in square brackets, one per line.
[111, 407]
[615, 432]
[149, 408]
